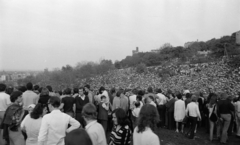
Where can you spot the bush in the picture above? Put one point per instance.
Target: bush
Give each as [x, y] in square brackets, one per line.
[141, 68]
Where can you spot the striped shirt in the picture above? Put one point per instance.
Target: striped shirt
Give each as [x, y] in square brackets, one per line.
[121, 136]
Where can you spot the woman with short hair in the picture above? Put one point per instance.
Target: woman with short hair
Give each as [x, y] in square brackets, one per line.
[143, 133]
[121, 133]
[32, 123]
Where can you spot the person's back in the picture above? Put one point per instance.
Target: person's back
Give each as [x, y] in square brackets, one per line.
[146, 137]
[68, 104]
[29, 97]
[32, 127]
[55, 125]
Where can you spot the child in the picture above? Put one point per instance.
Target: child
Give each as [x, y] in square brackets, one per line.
[103, 107]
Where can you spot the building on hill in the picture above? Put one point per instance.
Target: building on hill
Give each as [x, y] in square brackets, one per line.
[188, 44]
[238, 37]
[135, 51]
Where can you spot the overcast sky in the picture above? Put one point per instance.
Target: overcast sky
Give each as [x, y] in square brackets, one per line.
[38, 34]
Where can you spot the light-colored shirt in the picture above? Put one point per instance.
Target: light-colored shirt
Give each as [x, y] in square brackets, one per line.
[96, 133]
[116, 103]
[32, 127]
[124, 103]
[162, 99]
[132, 99]
[29, 97]
[193, 110]
[4, 101]
[54, 127]
[147, 137]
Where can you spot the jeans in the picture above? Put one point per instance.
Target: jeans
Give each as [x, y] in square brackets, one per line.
[238, 123]
[226, 122]
[193, 121]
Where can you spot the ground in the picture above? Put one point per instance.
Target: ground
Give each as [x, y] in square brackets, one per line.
[202, 138]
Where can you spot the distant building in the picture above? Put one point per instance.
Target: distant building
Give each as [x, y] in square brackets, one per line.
[188, 44]
[3, 78]
[238, 37]
[135, 51]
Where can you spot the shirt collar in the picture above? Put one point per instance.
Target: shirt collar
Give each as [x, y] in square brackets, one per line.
[56, 111]
[90, 124]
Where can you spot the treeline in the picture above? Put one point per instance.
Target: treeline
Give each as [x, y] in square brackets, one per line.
[215, 49]
[69, 75]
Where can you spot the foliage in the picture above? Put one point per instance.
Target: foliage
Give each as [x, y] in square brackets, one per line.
[141, 68]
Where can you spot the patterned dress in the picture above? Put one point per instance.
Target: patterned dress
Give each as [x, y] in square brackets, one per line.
[121, 136]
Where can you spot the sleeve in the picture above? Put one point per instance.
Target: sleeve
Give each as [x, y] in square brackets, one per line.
[8, 102]
[74, 124]
[126, 136]
[42, 136]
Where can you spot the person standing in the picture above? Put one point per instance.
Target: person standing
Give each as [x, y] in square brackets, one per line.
[194, 115]
[179, 112]
[161, 106]
[224, 110]
[12, 119]
[55, 125]
[89, 93]
[29, 97]
[93, 128]
[68, 103]
[80, 101]
[143, 134]
[4, 103]
[103, 108]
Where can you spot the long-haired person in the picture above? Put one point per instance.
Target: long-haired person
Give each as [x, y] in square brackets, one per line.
[12, 119]
[212, 109]
[143, 133]
[121, 133]
[32, 123]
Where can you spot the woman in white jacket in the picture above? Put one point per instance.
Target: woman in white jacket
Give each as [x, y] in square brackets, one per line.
[179, 112]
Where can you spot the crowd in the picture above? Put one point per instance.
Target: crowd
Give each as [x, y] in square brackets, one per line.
[37, 115]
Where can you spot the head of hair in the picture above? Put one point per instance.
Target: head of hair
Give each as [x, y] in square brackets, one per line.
[139, 97]
[179, 95]
[141, 92]
[194, 98]
[150, 90]
[44, 91]
[159, 90]
[14, 96]
[119, 92]
[148, 117]
[22, 88]
[213, 98]
[67, 91]
[37, 111]
[103, 97]
[78, 136]
[75, 90]
[223, 96]
[113, 90]
[2, 87]
[134, 91]
[36, 87]
[151, 97]
[87, 86]
[101, 89]
[49, 88]
[55, 101]
[137, 104]
[121, 117]
[89, 111]
[188, 95]
[9, 90]
[29, 86]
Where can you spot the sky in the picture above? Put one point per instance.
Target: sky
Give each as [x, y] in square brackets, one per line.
[39, 34]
